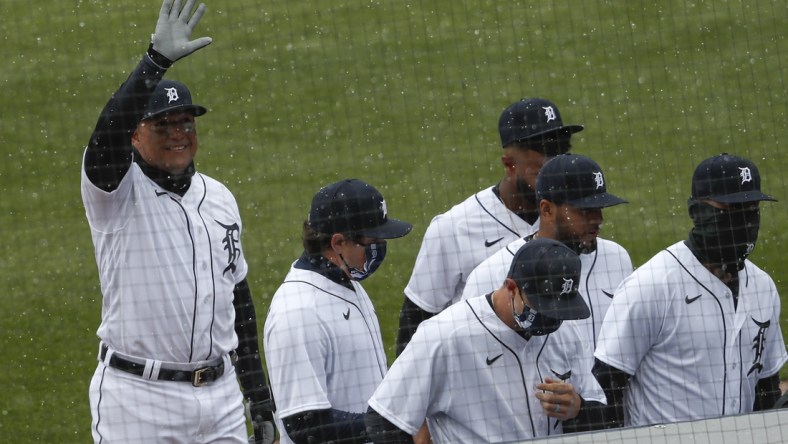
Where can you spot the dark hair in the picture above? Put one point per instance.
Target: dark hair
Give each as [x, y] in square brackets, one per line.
[315, 242]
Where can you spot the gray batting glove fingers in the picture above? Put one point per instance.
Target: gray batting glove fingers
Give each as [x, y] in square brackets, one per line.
[264, 432]
[174, 29]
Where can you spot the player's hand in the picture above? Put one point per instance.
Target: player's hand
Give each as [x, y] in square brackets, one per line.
[423, 435]
[174, 28]
[559, 399]
[262, 424]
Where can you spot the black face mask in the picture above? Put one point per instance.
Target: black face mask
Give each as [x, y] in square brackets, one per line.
[176, 183]
[724, 237]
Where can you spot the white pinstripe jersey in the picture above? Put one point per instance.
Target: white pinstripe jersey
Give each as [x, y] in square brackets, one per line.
[323, 347]
[168, 266]
[473, 377]
[455, 242]
[673, 325]
[602, 270]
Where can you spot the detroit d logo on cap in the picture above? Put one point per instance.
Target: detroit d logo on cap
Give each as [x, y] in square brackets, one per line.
[599, 180]
[549, 113]
[172, 94]
[566, 288]
[744, 173]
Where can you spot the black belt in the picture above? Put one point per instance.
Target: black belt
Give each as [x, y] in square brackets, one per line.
[198, 377]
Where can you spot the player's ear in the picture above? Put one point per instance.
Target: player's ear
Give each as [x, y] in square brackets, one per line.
[510, 285]
[337, 240]
[508, 162]
[546, 208]
[135, 139]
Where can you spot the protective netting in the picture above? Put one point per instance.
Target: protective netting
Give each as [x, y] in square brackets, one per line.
[404, 95]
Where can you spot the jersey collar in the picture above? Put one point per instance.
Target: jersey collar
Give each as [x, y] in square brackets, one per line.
[320, 265]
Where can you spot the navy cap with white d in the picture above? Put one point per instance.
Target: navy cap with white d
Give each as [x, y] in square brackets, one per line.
[170, 96]
[354, 206]
[726, 178]
[574, 180]
[548, 273]
[532, 118]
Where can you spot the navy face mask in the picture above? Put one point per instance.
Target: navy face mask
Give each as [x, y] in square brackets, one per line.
[533, 323]
[374, 254]
[724, 237]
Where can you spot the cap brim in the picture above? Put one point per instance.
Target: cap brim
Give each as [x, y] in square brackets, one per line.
[392, 229]
[601, 200]
[565, 308]
[197, 110]
[568, 129]
[741, 197]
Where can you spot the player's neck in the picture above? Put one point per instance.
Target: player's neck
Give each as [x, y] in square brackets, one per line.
[725, 276]
[502, 306]
[517, 202]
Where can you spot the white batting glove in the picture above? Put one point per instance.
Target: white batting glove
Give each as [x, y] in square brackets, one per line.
[174, 28]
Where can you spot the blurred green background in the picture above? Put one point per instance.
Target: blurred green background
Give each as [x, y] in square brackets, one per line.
[404, 95]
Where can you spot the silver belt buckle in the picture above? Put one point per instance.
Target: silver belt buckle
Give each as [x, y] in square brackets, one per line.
[197, 376]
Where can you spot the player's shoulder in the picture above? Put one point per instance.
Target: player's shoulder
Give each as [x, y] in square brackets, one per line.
[453, 321]
[213, 185]
[671, 256]
[667, 263]
[757, 275]
[305, 289]
[611, 251]
[470, 203]
[503, 256]
[607, 246]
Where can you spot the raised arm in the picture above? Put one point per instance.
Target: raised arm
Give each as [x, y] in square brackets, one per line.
[109, 152]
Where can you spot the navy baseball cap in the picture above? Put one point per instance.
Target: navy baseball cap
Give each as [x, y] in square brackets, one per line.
[548, 273]
[728, 179]
[530, 119]
[354, 206]
[170, 96]
[574, 180]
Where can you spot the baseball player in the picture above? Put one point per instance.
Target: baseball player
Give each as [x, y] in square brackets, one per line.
[322, 340]
[178, 324]
[572, 192]
[695, 333]
[455, 242]
[485, 369]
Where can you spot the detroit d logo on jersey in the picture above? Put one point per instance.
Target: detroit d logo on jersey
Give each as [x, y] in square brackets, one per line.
[231, 240]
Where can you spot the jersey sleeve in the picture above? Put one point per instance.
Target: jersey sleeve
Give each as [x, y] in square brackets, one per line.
[108, 155]
[295, 355]
[437, 271]
[776, 355]
[412, 390]
[632, 322]
[585, 384]
[103, 207]
[489, 275]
